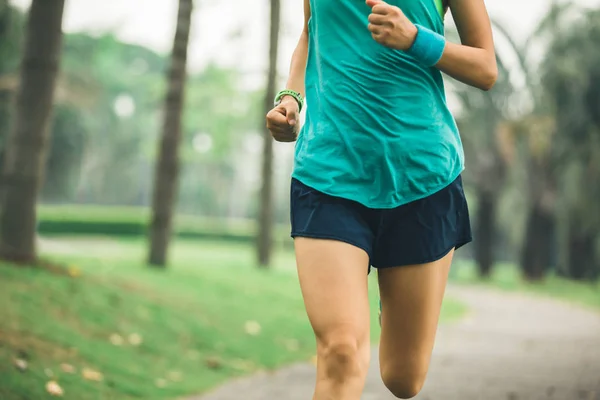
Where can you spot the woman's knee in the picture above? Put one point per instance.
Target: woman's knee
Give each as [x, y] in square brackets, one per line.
[403, 383]
[343, 355]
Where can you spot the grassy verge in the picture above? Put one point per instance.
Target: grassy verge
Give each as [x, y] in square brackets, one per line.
[151, 334]
[113, 221]
[507, 277]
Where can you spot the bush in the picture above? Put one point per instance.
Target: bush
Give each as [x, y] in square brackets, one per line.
[134, 221]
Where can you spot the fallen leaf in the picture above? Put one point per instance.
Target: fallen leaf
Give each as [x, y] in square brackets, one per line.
[252, 328]
[54, 389]
[292, 345]
[21, 364]
[74, 272]
[175, 376]
[116, 339]
[243, 365]
[68, 368]
[135, 339]
[92, 375]
[213, 362]
[160, 383]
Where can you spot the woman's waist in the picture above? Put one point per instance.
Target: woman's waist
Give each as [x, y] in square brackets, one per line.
[387, 113]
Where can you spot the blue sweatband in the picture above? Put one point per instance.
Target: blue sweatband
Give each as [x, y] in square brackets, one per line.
[428, 46]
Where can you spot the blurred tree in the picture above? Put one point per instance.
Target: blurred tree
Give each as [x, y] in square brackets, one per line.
[265, 231]
[167, 166]
[571, 78]
[487, 140]
[515, 114]
[540, 156]
[533, 128]
[27, 143]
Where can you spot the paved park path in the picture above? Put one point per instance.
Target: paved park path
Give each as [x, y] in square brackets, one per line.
[509, 347]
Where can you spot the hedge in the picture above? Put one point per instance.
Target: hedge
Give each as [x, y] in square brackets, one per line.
[132, 221]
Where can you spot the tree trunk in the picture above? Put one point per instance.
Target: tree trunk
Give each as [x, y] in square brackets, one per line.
[27, 144]
[582, 255]
[167, 168]
[265, 234]
[539, 246]
[485, 232]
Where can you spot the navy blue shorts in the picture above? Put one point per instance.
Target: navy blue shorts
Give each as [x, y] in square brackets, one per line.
[415, 233]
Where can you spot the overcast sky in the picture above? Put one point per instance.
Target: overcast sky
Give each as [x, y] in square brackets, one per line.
[151, 23]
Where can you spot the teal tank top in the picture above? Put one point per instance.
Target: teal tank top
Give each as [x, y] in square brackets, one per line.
[378, 129]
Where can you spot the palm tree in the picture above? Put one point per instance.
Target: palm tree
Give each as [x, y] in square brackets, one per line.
[487, 148]
[28, 140]
[167, 167]
[541, 157]
[571, 77]
[265, 233]
[492, 153]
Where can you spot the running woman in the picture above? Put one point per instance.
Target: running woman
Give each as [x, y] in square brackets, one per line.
[377, 177]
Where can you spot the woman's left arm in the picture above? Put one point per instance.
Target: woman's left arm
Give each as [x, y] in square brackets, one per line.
[474, 61]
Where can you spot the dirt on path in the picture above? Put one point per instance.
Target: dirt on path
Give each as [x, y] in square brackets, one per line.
[509, 347]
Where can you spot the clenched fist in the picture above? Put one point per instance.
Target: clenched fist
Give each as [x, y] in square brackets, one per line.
[282, 121]
[390, 27]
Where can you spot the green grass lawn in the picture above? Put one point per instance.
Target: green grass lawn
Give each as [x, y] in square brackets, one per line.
[508, 277]
[151, 334]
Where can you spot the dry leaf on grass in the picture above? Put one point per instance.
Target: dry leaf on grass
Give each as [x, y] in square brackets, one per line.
[213, 362]
[91, 375]
[160, 383]
[175, 376]
[21, 364]
[54, 389]
[68, 368]
[252, 328]
[135, 339]
[116, 339]
[292, 345]
[74, 272]
[243, 365]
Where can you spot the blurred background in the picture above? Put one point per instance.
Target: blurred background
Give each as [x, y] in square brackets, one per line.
[156, 213]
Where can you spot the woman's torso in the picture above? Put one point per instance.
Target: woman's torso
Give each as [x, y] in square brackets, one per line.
[377, 129]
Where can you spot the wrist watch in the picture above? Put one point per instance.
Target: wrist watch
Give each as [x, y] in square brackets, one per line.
[297, 96]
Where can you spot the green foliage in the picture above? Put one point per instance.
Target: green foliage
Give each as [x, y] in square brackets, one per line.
[216, 106]
[114, 89]
[192, 320]
[11, 21]
[108, 114]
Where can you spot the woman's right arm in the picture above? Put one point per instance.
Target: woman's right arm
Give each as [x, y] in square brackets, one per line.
[298, 65]
[282, 121]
